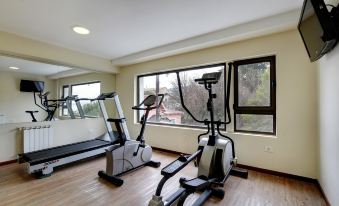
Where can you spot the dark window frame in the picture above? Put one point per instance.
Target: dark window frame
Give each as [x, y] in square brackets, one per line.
[182, 70]
[63, 107]
[70, 90]
[256, 110]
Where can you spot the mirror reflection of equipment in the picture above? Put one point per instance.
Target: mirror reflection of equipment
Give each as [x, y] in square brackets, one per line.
[43, 162]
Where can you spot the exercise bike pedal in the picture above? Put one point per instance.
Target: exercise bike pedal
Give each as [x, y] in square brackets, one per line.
[113, 179]
[218, 193]
[153, 164]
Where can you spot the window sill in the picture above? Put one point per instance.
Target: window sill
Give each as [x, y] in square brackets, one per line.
[204, 129]
[172, 126]
[272, 136]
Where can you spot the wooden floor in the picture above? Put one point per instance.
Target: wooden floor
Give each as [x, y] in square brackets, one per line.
[78, 184]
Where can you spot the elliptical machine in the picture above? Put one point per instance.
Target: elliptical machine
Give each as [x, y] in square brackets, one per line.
[50, 106]
[215, 157]
[129, 154]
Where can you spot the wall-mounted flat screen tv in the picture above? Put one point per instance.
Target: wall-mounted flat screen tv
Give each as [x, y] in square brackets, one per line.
[32, 86]
[317, 29]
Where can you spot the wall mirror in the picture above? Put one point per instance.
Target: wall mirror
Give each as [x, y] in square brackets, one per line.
[36, 91]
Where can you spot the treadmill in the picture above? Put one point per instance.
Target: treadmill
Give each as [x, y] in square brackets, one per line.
[42, 162]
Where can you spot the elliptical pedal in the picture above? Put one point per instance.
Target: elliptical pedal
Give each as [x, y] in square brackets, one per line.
[178, 164]
[196, 184]
[171, 168]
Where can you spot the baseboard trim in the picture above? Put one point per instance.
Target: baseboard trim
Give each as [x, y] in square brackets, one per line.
[266, 171]
[280, 174]
[7, 162]
[323, 193]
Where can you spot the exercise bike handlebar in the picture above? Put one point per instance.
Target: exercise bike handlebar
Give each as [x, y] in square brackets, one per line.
[138, 107]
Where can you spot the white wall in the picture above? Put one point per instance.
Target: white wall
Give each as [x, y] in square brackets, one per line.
[14, 103]
[329, 125]
[295, 146]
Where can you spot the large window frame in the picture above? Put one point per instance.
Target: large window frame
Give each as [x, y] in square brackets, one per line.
[256, 110]
[182, 70]
[70, 89]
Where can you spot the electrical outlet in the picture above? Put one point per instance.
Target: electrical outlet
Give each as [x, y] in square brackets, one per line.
[268, 149]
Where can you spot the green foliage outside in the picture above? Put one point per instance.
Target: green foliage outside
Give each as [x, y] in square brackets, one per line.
[254, 90]
[195, 97]
[91, 109]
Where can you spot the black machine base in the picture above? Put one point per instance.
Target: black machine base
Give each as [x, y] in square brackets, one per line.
[153, 164]
[239, 172]
[39, 175]
[199, 184]
[117, 180]
[112, 179]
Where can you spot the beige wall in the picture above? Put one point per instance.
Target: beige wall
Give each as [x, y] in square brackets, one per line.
[23, 47]
[107, 81]
[294, 147]
[14, 103]
[328, 73]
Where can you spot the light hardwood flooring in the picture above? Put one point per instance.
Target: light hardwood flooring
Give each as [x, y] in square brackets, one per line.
[78, 184]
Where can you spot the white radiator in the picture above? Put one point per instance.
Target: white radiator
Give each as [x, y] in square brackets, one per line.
[37, 138]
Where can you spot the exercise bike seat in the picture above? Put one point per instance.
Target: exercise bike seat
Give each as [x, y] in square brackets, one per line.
[30, 112]
[149, 101]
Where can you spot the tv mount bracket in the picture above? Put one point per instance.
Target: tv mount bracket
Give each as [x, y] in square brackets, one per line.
[334, 13]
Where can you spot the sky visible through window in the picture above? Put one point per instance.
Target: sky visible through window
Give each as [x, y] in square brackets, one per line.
[86, 90]
[91, 91]
[167, 79]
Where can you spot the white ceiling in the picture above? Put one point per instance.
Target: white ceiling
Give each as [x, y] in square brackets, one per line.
[123, 27]
[30, 67]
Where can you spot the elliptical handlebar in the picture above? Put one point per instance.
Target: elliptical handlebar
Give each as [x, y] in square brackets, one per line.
[183, 102]
[149, 101]
[228, 110]
[212, 79]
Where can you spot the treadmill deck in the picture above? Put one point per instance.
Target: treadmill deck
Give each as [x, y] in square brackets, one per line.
[54, 153]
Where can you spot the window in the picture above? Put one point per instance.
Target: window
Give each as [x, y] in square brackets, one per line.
[254, 95]
[195, 96]
[84, 90]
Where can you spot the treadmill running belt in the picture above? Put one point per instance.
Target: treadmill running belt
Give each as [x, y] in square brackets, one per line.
[63, 151]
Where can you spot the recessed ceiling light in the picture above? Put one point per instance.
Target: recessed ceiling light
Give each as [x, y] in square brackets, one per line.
[15, 68]
[80, 30]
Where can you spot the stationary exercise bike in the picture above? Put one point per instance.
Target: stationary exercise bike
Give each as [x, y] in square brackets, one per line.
[215, 157]
[129, 154]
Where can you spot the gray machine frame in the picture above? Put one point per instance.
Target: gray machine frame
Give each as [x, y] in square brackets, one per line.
[129, 154]
[215, 156]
